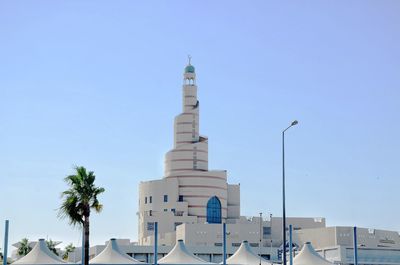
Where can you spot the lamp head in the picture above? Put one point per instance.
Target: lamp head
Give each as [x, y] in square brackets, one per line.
[295, 122]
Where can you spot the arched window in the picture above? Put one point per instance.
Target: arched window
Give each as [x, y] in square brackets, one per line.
[214, 210]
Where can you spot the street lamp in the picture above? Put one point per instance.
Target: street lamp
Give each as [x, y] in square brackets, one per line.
[295, 122]
[259, 245]
[270, 226]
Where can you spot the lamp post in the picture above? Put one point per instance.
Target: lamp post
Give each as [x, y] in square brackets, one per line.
[295, 122]
[259, 245]
[270, 225]
[224, 243]
[5, 246]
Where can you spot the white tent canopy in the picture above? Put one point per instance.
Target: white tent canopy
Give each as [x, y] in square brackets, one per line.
[180, 255]
[308, 256]
[113, 255]
[244, 255]
[40, 254]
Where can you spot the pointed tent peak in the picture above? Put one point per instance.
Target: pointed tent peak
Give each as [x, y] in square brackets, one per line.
[308, 256]
[40, 254]
[113, 243]
[244, 255]
[33, 243]
[180, 255]
[245, 246]
[112, 254]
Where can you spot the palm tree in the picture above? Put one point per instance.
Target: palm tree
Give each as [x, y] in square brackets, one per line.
[24, 247]
[52, 246]
[68, 249]
[78, 201]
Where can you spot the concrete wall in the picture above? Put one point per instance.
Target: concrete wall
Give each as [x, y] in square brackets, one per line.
[343, 236]
[319, 237]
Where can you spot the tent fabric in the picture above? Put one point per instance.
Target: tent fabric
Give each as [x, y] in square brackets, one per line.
[40, 254]
[308, 256]
[180, 255]
[113, 255]
[244, 255]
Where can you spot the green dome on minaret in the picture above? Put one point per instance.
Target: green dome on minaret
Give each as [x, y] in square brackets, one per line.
[189, 69]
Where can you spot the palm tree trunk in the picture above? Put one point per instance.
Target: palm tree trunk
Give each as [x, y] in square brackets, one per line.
[86, 229]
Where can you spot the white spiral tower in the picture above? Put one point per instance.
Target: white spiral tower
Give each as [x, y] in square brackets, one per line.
[188, 160]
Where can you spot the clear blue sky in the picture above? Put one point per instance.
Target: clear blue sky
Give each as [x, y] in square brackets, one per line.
[98, 83]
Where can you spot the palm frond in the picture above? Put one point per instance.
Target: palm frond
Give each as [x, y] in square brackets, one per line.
[80, 197]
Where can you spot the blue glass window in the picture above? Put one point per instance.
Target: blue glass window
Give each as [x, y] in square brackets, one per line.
[150, 226]
[214, 211]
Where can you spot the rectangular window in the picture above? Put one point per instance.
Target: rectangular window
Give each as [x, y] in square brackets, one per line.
[180, 198]
[235, 244]
[165, 210]
[150, 226]
[165, 198]
[151, 213]
[218, 244]
[150, 199]
[173, 210]
[254, 245]
[145, 200]
[266, 230]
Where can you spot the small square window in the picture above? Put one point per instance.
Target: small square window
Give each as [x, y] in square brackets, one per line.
[180, 198]
[266, 230]
[150, 226]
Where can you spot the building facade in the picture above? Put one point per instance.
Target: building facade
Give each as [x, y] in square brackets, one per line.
[335, 243]
[191, 201]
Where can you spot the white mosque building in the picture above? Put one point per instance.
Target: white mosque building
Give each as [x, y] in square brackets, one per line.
[191, 201]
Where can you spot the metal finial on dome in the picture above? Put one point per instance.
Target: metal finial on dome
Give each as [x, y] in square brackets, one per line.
[189, 68]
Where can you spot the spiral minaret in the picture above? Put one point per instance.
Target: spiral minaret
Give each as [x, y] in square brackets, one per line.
[188, 160]
[188, 193]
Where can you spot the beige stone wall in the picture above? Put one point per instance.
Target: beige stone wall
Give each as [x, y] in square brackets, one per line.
[343, 236]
